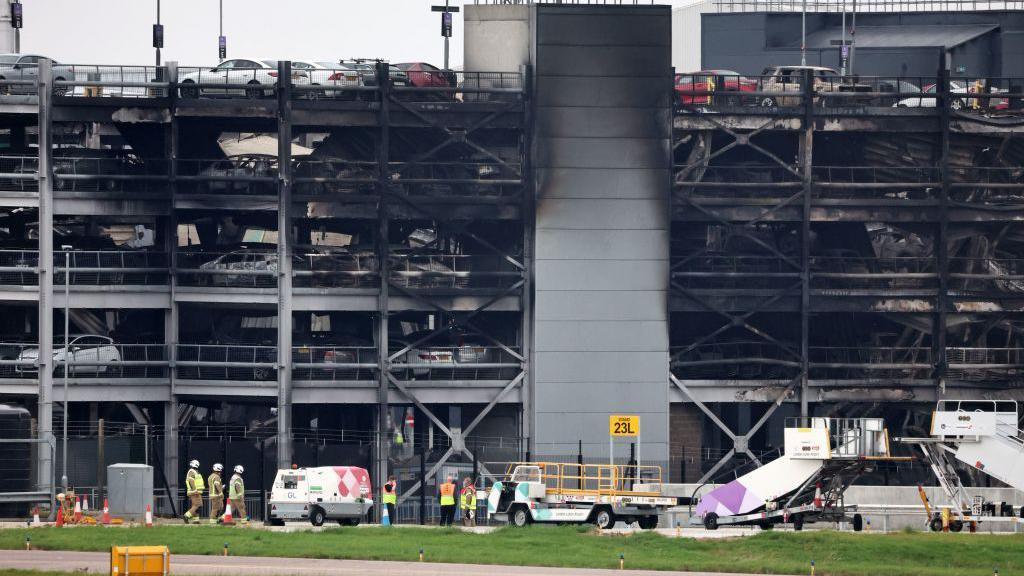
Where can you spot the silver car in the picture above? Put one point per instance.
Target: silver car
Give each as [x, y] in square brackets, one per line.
[89, 354]
[247, 77]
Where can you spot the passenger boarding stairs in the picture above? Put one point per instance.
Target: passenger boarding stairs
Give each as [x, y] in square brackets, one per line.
[983, 434]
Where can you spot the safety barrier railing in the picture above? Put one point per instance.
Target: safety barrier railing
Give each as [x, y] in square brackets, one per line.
[335, 270]
[239, 269]
[225, 362]
[877, 182]
[466, 362]
[454, 271]
[213, 82]
[107, 173]
[712, 270]
[19, 80]
[330, 177]
[458, 178]
[95, 81]
[19, 173]
[848, 437]
[571, 477]
[19, 267]
[865, 6]
[224, 176]
[111, 267]
[974, 364]
[86, 360]
[872, 362]
[334, 362]
[737, 181]
[987, 274]
[856, 272]
[744, 360]
[336, 84]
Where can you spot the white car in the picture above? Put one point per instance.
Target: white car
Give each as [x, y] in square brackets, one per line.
[90, 354]
[955, 86]
[248, 77]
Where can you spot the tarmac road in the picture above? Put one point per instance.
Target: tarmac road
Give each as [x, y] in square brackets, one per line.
[99, 562]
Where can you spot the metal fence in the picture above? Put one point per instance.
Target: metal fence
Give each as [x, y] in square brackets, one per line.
[341, 363]
[334, 176]
[96, 81]
[455, 271]
[335, 270]
[742, 360]
[86, 361]
[715, 270]
[107, 172]
[466, 362]
[19, 173]
[853, 272]
[864, 6]
[225, 362]
[247, 175]
[237, 269]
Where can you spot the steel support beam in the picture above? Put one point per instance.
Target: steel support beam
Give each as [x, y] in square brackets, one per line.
[528, 427]
[45, 309]
[171, 423]
[383, 444]
[806, 164]
[284, 260]
[942, 232]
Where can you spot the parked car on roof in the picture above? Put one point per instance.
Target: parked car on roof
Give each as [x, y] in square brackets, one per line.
[783, 79]
[689, 85]
[247, 77]
[423, 75]
[86, 354]
[956, 87]
[26, 67]
[368, 72]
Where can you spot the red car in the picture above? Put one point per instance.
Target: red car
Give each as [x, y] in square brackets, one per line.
[689, 85]
[423, 75]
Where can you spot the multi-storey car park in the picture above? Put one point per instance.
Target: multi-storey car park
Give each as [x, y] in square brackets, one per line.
[480, 273]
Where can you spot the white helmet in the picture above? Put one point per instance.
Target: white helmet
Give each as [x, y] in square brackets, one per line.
[194, 464]
[218, 467]
[239, 469]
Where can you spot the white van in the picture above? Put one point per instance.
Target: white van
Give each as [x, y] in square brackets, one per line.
[341, 493]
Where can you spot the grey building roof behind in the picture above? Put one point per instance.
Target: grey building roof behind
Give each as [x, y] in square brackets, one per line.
[905, 36]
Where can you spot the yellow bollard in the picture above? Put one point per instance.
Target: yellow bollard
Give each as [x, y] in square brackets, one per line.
[28, 542]
[225, 548]
[812, 567]
[678, 532]
[622, 562]
[421, 554]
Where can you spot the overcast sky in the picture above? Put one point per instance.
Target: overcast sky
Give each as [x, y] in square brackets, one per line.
[120, 31]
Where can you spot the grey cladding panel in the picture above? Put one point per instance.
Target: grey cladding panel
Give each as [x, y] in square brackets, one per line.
[602, 152]
[602, 305]
[607, 183]
[647, 62]
[589, 367]
[604, 30]
[637, 395]
[601, 336]
[590, 214]
[611, 93]
[603, 274]
[556, 244]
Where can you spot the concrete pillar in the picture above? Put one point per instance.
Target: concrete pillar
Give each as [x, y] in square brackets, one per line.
[383, 444]
[171, 466]
[45, 413]
[170, 460]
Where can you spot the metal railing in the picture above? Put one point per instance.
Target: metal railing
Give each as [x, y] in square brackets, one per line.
[87, 267]
[866, 6]
[738, 181]
[225, 362]
[733, 271]
[872, 273]
[330, 176]
[459, 178]
[95, 81]
[18, 360]
[335, 270]
[987, 274]
[239, 175]
[106, 172]
[238, 269]
[334, 362]
[19, 173]
[455, 271]
[733, 360]
[870, 362]
[467, 362]
[19, 267]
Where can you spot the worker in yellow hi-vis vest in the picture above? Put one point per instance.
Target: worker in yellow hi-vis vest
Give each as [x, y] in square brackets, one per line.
[468, 501]
[447, 502]
[391, 498]
[216, 492]
[194, 487]
[236, 493]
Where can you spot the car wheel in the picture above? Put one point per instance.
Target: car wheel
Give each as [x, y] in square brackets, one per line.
[317, 517]
[604, 519]
[858, 522]
[187, 91]
[711, 521]
[521, 517]
[768, 102]
[253, 93]
[60, 90]
[957, 104]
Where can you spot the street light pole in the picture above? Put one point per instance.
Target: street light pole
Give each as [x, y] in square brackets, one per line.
[67, 355]
[446, 25]
[803, 34]
[160, 43]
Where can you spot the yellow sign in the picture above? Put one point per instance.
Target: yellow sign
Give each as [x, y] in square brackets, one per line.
[619, 425]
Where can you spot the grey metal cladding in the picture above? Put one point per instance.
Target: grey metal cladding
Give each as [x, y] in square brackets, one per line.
[615, 94]
[604, 61]
[601, 335]
[602, 173]
[602, 152]
[593, 245]
[643, 275]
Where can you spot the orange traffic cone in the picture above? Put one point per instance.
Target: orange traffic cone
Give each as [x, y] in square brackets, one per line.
[60, 515]
[35, 516]
[227, 518]
[78, 510]
[149, 516]
[105, 520]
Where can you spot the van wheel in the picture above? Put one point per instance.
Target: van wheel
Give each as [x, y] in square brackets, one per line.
[936, 524]
[317, 517]
[798, 523]
[604, 519]
[711, 521]
[956, 526]
[521, 517]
